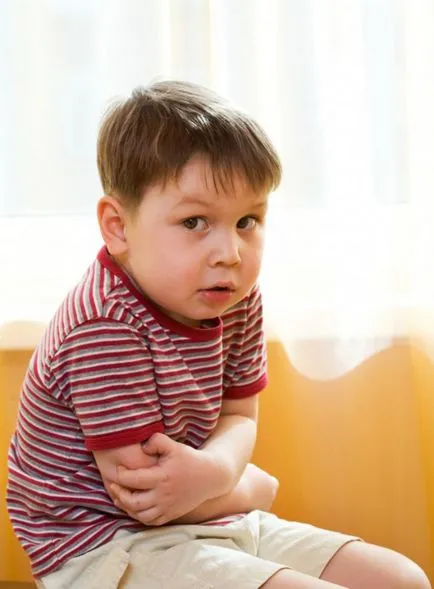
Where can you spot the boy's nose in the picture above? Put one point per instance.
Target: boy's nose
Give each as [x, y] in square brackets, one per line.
[226, 251]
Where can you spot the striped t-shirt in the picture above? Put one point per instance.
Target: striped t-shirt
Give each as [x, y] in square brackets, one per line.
[112, 370]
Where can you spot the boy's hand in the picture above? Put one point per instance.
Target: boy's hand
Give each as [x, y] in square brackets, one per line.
[182, 480]
[261, 487]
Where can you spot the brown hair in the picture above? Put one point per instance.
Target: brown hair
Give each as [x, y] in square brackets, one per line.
[149, 138]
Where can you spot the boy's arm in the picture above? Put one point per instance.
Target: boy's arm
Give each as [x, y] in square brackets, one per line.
[167, 478]
[192, 482]
[231, 444]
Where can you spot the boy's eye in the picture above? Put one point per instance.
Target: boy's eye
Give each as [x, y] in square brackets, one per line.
[247, 222]
[195, 223]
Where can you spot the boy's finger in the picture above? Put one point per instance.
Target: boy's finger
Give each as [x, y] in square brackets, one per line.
[159, 445]
[138, 502]
[149, 516]
[141, 479]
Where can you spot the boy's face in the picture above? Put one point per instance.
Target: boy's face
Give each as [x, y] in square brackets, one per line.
[194, 251]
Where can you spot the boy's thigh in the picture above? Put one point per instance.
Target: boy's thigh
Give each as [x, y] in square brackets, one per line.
[243, 555]
[197, 564]
[302, 547]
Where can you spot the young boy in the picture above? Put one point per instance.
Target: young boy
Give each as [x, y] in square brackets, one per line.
[130, 463]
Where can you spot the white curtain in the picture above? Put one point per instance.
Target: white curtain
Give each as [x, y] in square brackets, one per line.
[345, 89]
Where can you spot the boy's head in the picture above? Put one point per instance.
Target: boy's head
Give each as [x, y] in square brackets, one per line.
[148, 139]
[186, 179]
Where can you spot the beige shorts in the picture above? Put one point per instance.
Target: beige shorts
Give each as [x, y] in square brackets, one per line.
[240, 555]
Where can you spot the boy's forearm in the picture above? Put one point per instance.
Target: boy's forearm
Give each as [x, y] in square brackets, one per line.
[256, 489]
[231, 446]
[237, 500]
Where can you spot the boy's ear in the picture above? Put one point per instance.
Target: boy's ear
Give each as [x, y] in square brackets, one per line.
[111, 220]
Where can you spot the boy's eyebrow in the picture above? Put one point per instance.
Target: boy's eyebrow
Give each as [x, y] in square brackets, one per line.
[191, 199]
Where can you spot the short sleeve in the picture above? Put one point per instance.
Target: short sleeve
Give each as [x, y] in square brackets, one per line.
[104, 372]
[246, 366]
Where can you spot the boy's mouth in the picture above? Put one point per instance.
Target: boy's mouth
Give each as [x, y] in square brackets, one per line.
[219, 294]
[222, 287]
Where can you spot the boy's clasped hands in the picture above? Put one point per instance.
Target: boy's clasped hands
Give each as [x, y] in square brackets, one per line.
[179, 479]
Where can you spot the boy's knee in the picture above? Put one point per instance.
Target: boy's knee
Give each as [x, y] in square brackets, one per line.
[418, 579]
[408, 575]
[359, 565]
